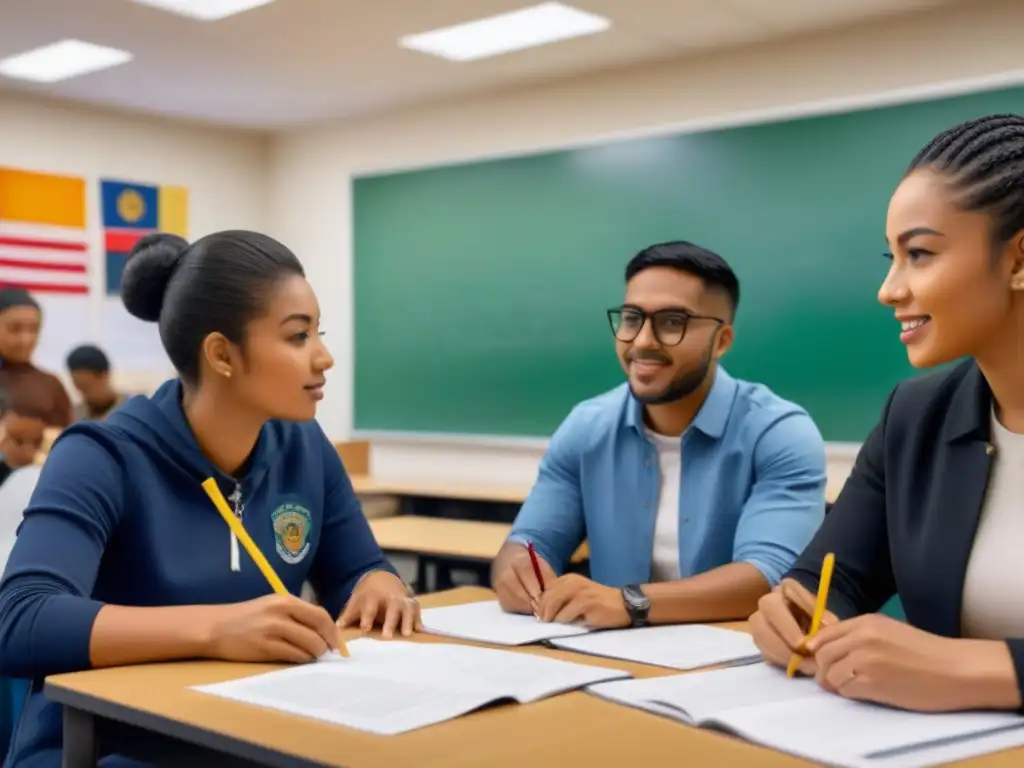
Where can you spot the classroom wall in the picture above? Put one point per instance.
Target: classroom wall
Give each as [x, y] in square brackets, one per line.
[310, 169]
[224, 171]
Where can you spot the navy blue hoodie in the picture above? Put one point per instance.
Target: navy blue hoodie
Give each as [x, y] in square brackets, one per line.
[119, 516]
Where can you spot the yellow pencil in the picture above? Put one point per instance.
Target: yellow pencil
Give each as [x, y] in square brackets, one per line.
[819, 609]
[213, 491]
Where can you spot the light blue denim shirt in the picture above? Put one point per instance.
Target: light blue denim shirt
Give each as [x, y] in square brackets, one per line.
[752, 488]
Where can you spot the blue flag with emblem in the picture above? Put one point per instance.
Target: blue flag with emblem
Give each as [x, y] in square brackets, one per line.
[131, 211]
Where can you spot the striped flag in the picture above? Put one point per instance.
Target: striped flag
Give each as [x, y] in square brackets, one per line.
[43, 244]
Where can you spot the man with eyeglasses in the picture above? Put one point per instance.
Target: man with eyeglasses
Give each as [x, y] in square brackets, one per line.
[695, 491]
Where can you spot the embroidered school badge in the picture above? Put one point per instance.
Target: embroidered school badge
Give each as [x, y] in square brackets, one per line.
[292, 523]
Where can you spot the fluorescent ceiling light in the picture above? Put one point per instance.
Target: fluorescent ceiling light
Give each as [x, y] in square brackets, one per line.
[514, 31]
[60, 61]
[206, 10]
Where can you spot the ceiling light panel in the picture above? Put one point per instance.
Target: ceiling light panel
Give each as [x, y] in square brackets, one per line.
[61, 61]
[514, 31]
[206, 10]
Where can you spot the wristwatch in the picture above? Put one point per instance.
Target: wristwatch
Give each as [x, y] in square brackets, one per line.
[638, 605]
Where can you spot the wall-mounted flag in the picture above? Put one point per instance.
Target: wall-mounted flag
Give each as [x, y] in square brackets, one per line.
[131, 211]
[43, 244]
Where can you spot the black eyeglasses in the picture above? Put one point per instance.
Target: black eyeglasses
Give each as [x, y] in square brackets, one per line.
[669, 325]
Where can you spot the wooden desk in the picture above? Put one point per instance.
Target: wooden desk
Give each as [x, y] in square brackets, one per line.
[154, 702]
[451, 542]
[430, 541]
[372, 485]
[468, 539]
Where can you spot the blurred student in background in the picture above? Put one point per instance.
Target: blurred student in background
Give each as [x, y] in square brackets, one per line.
[90, 373]
[21, 435]
[21, 320]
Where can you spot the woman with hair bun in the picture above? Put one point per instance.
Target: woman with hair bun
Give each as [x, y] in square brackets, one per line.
[123, 559]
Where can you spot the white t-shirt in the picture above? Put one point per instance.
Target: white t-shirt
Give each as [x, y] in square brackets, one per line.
[993, 597]
[665, 557]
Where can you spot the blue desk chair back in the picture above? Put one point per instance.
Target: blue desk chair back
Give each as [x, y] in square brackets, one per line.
[12, 700]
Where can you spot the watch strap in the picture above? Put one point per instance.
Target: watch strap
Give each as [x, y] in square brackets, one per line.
[638, 605]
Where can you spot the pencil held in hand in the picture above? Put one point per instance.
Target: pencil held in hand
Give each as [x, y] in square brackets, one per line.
[819, 610]
[213, 491]
[536, 565]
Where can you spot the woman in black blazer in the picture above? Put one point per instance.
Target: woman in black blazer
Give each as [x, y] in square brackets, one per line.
[934, 507]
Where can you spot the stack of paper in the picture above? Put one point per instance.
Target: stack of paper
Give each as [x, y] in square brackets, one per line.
[760, 704]
[390, 687]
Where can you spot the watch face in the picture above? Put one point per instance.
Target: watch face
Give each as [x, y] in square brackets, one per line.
[636, 599]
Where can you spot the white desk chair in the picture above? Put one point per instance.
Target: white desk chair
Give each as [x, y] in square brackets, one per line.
[15, 493]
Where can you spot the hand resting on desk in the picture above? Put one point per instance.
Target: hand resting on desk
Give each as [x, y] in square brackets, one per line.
[382, 599]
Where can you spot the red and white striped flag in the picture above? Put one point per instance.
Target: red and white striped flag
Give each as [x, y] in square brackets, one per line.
[43, 242]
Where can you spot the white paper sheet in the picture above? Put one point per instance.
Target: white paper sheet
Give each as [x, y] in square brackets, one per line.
[486, 622]
[389, 687]
[688, 646]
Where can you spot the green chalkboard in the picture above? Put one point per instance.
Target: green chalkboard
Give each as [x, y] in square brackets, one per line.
[480, 289]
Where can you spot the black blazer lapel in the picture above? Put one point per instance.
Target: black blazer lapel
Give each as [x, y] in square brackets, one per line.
[964, 484]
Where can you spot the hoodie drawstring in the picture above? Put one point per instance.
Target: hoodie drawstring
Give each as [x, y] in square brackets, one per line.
[236, 502]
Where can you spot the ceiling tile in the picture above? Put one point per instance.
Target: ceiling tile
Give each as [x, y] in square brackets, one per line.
[687, 25]
[802, 15]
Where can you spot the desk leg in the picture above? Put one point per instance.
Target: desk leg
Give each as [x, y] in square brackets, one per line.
[442, 575]
[79, 739]
[422, 573]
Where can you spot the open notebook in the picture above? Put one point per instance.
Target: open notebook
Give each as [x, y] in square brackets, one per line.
[760, 704]
[393, 686]
[676, 647]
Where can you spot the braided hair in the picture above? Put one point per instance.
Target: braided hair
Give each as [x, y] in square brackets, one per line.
[983, 161]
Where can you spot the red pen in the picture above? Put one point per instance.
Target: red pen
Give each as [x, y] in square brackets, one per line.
[536, 564]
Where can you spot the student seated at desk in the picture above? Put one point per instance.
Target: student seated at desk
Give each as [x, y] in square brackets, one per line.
[934, 508]
[695, 491]
[90, 373]
[122, 558]
[22, 430]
